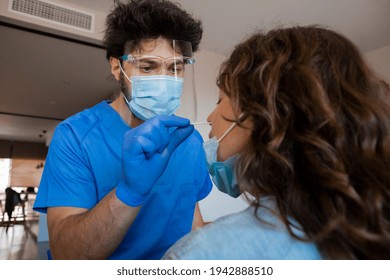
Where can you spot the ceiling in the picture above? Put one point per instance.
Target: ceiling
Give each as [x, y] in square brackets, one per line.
[44, 79]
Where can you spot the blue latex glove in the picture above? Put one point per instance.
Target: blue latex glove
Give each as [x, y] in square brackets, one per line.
[145, 155]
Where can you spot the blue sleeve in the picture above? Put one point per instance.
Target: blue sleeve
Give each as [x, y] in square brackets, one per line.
[67, 179]
[205, 188]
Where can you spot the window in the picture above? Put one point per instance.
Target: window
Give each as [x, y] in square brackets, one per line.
[5, 166]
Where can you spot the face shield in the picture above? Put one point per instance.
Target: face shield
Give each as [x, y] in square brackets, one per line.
[152, 60]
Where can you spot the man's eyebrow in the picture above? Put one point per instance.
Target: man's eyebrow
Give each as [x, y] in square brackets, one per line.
[149, 60]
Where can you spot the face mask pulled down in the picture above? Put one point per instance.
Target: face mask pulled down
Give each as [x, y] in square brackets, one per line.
[222, 173]
[154, 95]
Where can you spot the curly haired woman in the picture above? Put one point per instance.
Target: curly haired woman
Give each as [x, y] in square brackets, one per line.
[302, 128]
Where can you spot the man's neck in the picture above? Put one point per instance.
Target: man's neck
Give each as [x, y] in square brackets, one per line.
[121, 107]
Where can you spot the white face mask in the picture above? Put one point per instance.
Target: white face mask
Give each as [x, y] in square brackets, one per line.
[154, 95]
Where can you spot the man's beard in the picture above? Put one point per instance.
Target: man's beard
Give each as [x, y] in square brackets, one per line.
[124, 88]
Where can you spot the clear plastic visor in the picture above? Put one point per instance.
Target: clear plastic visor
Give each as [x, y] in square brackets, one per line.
[160, 57]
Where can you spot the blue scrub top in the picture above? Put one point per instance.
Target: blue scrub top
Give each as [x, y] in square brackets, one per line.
[84, 164]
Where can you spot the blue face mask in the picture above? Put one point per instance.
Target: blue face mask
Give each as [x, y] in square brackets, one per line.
[154, 95]
[222, 173]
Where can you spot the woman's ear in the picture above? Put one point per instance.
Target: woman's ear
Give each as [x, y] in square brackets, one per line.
[115, 69]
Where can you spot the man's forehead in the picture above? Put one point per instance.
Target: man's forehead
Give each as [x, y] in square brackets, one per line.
[160, 47]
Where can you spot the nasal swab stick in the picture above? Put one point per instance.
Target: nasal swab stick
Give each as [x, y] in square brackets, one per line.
[200, 123]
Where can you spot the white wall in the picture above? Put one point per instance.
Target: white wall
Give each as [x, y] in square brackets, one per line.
[380, 62]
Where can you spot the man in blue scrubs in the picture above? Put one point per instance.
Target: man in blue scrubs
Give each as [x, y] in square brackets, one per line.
[122, 179]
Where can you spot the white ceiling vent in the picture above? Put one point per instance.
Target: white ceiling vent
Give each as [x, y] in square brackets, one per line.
[53, 13]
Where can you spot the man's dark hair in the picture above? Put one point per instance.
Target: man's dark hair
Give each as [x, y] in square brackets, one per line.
[141, 19]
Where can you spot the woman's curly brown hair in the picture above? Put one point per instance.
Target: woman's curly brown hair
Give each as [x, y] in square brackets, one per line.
[321, 137]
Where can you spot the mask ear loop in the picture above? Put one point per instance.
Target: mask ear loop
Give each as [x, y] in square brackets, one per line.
[120, 66]
[124, 96]
[229, 129]
[226, 132]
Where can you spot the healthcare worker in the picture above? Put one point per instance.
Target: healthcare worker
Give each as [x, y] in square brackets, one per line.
[302, 128]
[122, 179]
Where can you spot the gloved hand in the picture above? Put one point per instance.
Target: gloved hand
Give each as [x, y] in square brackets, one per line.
[145, 155]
